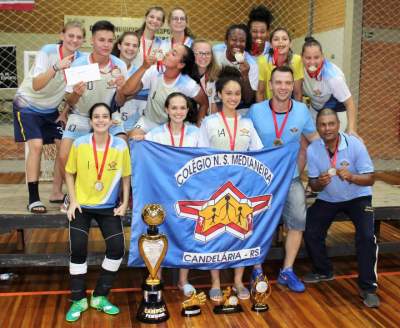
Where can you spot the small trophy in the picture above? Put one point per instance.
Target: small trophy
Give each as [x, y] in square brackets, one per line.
[191, 307]
[153, 247]
[230, 303]
[259, 294]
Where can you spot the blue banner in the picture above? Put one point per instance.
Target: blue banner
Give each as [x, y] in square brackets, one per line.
[222, 207]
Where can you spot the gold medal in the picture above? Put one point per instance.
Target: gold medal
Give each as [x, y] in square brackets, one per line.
[98, 186]
[332, 171]
[278, 142]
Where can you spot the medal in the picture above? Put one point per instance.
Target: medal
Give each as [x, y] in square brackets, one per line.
[99, 186]
[279, 131]
[232, 139]
[332, 171]
[333, 159]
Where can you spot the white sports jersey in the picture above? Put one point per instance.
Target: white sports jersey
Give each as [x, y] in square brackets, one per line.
[219, 52]
[213, 133]
[167, 44]
[133, 108]
[52, 94]
[161, 135]
[154, 45]
[329, 90]
[159, 92]
[101, 90]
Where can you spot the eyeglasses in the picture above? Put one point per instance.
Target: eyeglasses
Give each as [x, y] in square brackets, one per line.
[177, 19]
[203, 53]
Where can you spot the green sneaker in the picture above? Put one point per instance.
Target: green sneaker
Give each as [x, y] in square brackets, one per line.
[101, 303]
[77, 307]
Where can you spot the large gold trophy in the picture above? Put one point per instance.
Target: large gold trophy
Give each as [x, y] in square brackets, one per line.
[153, 247]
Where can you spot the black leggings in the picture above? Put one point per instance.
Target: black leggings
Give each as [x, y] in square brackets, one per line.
[111, 229]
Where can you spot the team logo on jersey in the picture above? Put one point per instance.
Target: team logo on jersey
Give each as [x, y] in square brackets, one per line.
[344, 163]
[317, 92]
[228, 210]
[294, 130]
[112, 166]
[245, 132]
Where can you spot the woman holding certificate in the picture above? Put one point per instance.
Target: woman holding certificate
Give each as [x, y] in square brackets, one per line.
[97, 165]
[35, 108]
[228, 130]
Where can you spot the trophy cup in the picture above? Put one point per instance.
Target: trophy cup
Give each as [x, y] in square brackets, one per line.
[191, 307]
[230, 303]
[259, 294]
[153, 247]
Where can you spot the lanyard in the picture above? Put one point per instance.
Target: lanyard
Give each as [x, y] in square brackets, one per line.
[232, 140]
[172, 137]
[144, 47]
[279, 131]
[96, 161]
[333, 159]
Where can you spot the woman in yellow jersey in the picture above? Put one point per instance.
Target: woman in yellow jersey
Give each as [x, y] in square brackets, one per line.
[97, 164]
[280, 54]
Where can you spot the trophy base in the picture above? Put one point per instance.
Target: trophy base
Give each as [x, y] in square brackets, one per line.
[191, 311]
[227, 309]
[260, 307]
[152, 312]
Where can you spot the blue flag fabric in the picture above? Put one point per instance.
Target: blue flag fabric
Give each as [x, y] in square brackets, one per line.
[222, 207]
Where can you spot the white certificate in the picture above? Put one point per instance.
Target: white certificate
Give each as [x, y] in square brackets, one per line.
[84, 73]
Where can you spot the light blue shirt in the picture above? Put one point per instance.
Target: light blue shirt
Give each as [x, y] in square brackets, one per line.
[351, 153]
[299, 122]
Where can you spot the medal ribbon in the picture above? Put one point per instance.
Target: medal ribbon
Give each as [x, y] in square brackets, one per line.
[204, 85]
[314, 75]
[279, 131]
[172, 137]
[144, 47]
[275, 57]
[60, 53]
[96, 161]
[333, 159]
[256, 49]
[232, 140]
[173, 43]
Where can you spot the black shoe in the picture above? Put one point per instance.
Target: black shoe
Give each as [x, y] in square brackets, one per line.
[313, 277]
[370, 299]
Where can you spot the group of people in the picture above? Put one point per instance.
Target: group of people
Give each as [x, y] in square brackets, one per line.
[244, 94]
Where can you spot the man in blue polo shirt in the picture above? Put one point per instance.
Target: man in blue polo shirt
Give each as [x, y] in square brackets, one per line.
[279, 121]
[340, 168]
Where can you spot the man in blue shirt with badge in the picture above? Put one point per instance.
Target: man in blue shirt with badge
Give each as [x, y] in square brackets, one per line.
[279, 121]
[340, 169]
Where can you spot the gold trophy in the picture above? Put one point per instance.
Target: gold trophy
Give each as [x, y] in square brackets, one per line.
[260, 292]
[230, 303]
[191, 307]
[153, 247]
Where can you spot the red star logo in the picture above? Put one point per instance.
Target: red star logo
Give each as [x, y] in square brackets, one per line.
[228, 209]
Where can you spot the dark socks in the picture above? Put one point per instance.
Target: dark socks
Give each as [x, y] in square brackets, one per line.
[78, 286]
[104, 283]
[33, 188]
